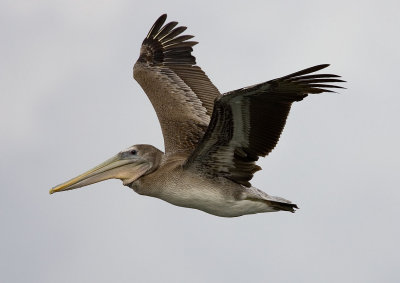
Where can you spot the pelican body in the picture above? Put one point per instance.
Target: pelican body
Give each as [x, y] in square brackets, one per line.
[212, 140]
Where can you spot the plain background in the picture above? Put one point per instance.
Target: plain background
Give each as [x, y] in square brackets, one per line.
[68, 102]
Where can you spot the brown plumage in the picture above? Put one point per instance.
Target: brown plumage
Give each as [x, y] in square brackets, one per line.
[260, 112]
[212, 141]
[166, 66]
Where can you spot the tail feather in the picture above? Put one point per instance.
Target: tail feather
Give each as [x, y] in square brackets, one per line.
[283, 206]
[277, 203]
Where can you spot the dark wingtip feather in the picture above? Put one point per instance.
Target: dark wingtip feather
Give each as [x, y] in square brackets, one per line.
[173, 34]
[156, 26]
[315, 76]
[305, 82]
[316, 90]
[166, 29]
[324, 85]
[306, 71]
[177, 40]
[164, 44]
[317, 79]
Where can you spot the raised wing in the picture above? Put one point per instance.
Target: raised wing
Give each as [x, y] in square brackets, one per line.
[247, 123]
[181, 93]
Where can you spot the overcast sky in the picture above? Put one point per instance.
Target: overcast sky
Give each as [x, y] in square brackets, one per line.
[68, 102]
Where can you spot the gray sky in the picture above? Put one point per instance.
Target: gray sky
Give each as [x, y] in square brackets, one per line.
[68, 102]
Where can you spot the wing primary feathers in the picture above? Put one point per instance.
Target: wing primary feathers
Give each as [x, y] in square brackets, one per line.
[306, 71]
[166, 29]
[171, 35]
[315, 76]
[254, 117]
[316, 90]
[156, 26]
[179, 39]
[318, 80]
[323, 85]
[181, 44]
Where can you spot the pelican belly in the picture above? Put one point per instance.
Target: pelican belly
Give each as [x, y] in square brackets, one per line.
[217, 196]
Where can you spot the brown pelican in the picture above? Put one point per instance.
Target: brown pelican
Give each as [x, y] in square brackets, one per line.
[212, 140]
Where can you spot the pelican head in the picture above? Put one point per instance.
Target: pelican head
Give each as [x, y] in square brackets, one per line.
[128, 166]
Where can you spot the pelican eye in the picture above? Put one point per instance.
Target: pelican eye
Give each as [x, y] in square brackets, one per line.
[134, 152]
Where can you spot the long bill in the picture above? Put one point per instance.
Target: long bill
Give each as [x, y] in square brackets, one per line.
[127, 170]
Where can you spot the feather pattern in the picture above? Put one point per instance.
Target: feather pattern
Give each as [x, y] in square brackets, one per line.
[247, 123]
[181, 93]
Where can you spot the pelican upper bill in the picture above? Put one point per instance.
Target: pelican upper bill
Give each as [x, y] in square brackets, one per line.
[212, 140]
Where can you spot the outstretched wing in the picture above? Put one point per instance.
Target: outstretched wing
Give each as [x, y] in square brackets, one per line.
[180, 92]
[247, 123]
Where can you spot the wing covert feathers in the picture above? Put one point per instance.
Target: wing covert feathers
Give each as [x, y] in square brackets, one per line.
[247, 123]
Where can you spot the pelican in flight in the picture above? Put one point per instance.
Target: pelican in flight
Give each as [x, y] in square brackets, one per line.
[212, 140]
